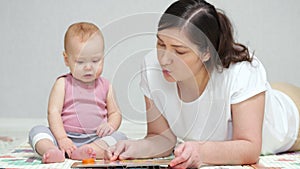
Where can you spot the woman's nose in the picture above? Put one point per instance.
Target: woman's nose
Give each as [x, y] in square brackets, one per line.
[165, 57]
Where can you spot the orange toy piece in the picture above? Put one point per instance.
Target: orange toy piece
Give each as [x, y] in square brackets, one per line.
[88, 161]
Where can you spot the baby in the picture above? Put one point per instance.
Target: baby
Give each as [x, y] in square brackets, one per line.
[83, 115]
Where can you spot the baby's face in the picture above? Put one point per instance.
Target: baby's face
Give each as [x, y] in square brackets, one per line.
[85, 59]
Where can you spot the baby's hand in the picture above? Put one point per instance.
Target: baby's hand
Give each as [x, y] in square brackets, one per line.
[105, 129]
[66, 145]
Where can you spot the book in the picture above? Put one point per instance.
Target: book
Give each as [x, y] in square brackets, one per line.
[162, 163]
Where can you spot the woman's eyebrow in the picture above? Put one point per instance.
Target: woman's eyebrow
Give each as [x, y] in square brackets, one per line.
[180, 46]
[173, 45]
[158, 37]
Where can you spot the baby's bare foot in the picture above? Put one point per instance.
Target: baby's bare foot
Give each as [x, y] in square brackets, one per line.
[83, 152]
[53, 156]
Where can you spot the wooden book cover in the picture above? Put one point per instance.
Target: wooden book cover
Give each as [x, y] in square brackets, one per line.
[163, 163]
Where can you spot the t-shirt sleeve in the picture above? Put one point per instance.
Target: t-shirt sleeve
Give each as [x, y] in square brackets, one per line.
[249, 80]
[144, 84]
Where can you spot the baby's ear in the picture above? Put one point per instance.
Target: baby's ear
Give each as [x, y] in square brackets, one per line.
[66, 58]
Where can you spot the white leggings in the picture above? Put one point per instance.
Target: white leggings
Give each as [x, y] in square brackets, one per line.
[42, 132]
[294, 93]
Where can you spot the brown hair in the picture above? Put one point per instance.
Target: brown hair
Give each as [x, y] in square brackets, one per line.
[208, 28]
[82, 30]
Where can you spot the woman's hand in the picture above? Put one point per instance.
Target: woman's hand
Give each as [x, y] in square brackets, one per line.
[66, 145]
[187, 155]
[104, 129]
[124, 149]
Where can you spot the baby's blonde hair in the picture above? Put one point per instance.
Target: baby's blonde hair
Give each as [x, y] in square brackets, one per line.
[82, 30]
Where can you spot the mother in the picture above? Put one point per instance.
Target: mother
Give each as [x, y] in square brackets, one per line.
[205, 89]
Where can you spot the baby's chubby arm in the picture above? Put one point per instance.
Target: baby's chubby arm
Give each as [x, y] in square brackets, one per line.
[114, 116]
[55, 106]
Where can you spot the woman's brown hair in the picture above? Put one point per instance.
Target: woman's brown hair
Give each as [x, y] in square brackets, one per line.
[206, 27]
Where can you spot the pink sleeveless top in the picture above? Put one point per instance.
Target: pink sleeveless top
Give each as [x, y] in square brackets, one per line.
[84, 106]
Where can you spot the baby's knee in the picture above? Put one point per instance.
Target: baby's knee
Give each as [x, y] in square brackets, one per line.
[40, 132]
[36, 130]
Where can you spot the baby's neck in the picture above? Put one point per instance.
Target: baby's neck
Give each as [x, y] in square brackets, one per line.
[86, 85]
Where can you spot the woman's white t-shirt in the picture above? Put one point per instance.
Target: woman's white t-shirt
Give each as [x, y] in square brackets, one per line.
[208, 118]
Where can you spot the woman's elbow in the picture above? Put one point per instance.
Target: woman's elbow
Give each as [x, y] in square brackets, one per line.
[252, 156]
[250, 159]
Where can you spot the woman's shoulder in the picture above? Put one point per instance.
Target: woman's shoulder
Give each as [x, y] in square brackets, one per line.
[246, 67]
[150, 67]
[150, 59]
[242, 73]
[151, 74]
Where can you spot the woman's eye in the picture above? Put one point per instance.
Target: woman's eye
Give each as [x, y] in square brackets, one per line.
[96, 61]
[180, 52]
[79, 62]
[160, 44]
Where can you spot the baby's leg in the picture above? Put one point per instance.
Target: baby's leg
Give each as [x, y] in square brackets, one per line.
[85, 151]
[43, 142]
[100, 145]
[50, 153]
[96, 149]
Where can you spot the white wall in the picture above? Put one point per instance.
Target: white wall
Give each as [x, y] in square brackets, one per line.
[271, 28]
[32, 31]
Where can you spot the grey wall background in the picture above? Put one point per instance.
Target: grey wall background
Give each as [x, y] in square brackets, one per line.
[31, 45]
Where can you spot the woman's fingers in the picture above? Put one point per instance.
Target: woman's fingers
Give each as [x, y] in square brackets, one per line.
[120, 148]
[108, 154]
[179, 149]
[181, 157]
[113, 153]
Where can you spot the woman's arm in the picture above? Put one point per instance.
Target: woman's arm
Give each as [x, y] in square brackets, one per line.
[159, 141]
[159, 135]
[245, 146]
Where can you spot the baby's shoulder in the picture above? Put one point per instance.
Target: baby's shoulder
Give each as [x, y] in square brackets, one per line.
[60, 81]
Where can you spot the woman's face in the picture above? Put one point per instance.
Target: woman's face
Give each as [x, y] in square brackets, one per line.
[179, 58]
